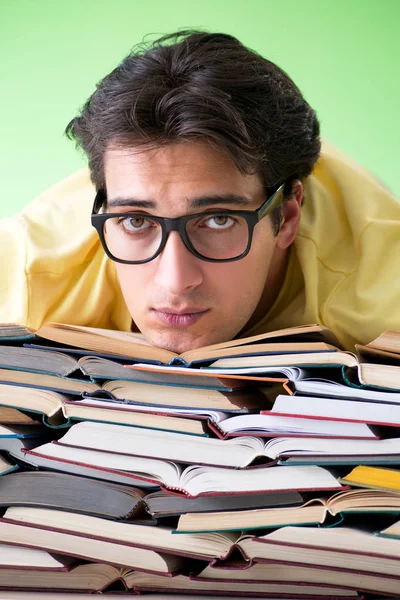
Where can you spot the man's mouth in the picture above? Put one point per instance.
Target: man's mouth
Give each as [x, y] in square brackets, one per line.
[179, 318]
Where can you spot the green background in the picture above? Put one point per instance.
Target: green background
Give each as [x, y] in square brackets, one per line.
[343, 54]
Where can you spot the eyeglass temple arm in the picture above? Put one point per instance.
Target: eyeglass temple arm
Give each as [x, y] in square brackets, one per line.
[272, 202]
[99, 202]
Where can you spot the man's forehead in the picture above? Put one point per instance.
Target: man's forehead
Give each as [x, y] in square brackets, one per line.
[194, 175]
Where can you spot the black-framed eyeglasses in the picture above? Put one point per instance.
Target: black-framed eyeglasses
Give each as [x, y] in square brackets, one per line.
[216, 236]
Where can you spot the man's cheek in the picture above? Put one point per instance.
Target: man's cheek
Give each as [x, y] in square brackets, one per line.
[132, 285]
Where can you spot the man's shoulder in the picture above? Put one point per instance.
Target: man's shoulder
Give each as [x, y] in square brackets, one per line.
[342, 200]
[57, 225]
[68, 199]
[53, 265]
[348, 246]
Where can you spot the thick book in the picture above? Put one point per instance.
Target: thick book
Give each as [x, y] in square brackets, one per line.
[68, 492]
[191, 481]
[315, 511]
[340, 409]
[134, 345]
[98, 577]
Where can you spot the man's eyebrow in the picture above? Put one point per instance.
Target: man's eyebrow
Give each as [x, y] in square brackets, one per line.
[204, 201]
[130, 203]
[193, 203]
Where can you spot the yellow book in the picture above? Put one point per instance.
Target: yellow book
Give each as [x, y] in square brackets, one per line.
[373, 477]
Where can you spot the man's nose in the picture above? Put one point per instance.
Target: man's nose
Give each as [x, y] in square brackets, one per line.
[178, 270]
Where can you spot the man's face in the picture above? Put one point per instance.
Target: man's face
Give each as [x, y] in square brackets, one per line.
[177, 300]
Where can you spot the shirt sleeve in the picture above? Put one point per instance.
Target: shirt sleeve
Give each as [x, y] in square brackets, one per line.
[13, 279]
[367, 299]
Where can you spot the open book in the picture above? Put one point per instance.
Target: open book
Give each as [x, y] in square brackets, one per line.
[192, 481]
[39, 367]
[100, 577]
[61, 491]
[315, 511]
[237, 452]
[306, 338]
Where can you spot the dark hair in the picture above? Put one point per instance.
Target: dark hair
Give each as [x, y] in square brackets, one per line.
[192, 84]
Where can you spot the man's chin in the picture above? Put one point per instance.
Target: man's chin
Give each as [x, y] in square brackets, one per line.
[176, 341]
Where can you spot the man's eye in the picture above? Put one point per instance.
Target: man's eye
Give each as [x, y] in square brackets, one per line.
[219, 222]
[134, 224]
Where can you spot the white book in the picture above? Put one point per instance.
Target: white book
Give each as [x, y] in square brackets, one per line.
[191, 481]
[337, 408]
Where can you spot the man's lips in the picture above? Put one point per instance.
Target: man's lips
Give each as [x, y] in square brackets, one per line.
[186, 310]
[179, 318]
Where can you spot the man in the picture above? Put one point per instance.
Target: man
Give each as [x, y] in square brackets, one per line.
[201, 153]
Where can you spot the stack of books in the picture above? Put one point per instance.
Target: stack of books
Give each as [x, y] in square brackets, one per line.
[263, 467]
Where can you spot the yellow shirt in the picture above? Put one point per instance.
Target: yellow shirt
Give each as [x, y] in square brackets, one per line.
[343, 270]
